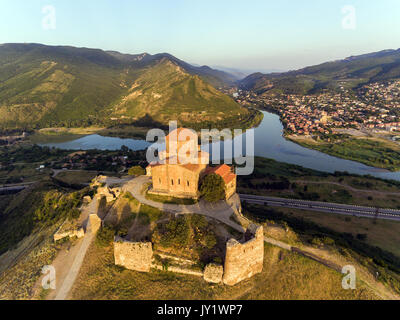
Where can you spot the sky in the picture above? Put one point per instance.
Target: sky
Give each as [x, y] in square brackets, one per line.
[256, 35]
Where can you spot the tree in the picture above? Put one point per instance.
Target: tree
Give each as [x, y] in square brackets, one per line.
[136, 171]
[213, 188]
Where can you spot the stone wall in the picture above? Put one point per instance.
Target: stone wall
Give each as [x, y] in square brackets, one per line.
[94, 222]
[231, 188]
[79, 233]
[213, 273]
[135, 256]
[244, 260]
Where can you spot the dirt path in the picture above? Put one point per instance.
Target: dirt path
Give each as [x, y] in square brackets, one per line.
[69, 261]
[69, 280]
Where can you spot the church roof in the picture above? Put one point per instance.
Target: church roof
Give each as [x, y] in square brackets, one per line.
[224, 171]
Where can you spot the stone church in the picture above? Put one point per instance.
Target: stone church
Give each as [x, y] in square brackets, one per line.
[182, 165]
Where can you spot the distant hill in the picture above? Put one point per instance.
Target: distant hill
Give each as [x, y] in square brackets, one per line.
[166, 91]
[46, 86]
[349, 73]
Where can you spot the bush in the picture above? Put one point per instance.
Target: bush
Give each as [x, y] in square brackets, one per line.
[136, 171]
[213, 188]
[176, 233]
[211, 241]
[317, 242]
[105, 236]
[198, 221]
[328, 241]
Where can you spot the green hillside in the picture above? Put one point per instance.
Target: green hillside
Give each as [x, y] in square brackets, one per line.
[166, 91]
[349, 73]
[44, 86]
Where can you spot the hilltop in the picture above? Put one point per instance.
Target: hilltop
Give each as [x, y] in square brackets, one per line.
[29, 220]
[52, 86]
[166, 91]
[348, 73]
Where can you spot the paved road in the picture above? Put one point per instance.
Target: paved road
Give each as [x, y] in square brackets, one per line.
[15, 187]
[344, 209]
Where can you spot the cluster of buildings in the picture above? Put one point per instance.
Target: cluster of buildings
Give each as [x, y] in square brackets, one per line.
[374, 106]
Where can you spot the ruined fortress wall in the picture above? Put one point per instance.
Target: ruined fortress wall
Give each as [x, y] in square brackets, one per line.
[243, 261]
[94, 222]
[133, 255]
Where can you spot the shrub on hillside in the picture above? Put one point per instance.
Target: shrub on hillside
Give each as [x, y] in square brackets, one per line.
[105, 236]
[136, 171]
[174, 233]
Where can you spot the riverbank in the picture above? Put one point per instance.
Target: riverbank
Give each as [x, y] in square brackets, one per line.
[60, 135]
[374, 152]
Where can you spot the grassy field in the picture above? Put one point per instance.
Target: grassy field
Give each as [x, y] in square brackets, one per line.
[382, 233]
[373, 152]
[285, 276]
[72, 177]
[170, 200]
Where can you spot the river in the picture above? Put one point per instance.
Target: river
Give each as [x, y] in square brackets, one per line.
[269, 143]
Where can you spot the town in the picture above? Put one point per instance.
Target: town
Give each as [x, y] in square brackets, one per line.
[371, 107]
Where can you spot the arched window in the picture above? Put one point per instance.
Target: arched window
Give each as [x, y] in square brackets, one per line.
[159, 180]
[179, 181]
[188, 183]
[172, 182]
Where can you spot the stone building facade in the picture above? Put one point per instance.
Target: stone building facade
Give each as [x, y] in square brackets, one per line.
[244, 260]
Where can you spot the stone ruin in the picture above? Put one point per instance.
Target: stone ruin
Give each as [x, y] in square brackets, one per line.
[105, 189]
[213, 273]
[94, 222]
[242, 260]
[79, 233]
[135, 256]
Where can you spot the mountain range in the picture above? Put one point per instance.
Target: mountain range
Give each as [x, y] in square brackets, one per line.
[49, 86]
[348, 73]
